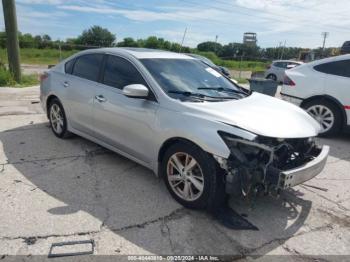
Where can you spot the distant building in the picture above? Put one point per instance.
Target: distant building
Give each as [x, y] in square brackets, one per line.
[249, 38]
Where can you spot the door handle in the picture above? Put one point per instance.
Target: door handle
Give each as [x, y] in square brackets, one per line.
[100, 98]
[65, 84]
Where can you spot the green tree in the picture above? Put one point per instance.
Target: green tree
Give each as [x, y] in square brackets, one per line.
[38, 41]
[128, 42]
[26, 41]
[96, 36]
[46, 38]
[210, 46]
[167, 45]
[175, 47]
[153, 42]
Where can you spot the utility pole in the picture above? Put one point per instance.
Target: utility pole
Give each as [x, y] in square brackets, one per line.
[10, 18]
[325, 35]
[282, 52]
[216, 41]
[183, 39]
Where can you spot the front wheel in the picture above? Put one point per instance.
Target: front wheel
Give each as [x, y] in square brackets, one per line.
[193, 177]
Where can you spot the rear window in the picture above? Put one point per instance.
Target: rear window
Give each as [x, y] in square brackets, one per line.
[281, 64]
[339, 68]
[68, 67]
[88, 66]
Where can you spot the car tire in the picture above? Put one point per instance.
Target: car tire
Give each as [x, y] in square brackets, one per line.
[327, 114]
[272, 77]
[57, 118]
[205, 180]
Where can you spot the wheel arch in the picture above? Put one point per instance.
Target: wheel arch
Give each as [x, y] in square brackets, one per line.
[171, 141]
[330, 99]
[48, 101]
[271, 74]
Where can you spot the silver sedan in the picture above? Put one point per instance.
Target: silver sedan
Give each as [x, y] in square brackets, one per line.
[199, 131]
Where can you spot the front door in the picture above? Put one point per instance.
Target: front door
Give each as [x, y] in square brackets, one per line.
[123, 122]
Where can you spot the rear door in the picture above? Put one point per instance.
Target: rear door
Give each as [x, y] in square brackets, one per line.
[123, 122]
[280, 68]
[80, 85]
[337, 81]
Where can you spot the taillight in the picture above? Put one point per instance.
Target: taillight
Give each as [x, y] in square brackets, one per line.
[287, 81]
[43, 76]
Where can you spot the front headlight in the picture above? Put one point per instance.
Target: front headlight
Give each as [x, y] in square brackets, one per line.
[239, 145]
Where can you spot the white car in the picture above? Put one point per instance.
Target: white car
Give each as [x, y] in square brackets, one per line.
[276, 70]
[322, 88]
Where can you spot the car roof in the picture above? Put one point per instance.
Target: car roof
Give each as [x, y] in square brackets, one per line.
[329, 59]
[293, 61]
[140, 53]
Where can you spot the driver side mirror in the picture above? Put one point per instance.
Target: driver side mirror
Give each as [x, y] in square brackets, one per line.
[136, 91]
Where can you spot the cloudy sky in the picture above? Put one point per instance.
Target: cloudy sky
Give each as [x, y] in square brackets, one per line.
[298, 22]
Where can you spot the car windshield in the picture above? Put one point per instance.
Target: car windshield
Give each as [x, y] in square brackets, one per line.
[187, 78]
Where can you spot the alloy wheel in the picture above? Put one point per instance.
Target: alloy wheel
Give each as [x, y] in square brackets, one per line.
[56, 118]
[185, 176]
[323, 115]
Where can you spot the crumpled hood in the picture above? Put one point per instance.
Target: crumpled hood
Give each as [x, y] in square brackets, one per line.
[262, 115]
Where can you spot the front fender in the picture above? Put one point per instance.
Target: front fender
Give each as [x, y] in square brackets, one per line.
[201, 131]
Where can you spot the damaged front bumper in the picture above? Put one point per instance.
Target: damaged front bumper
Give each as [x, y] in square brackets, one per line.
[270, 165]
[299, 175]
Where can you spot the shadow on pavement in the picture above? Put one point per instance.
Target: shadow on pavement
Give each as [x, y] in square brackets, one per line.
[339, 146]
[131, 202]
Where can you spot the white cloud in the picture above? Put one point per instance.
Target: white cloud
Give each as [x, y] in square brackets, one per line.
[192, 37]
[300, 22]
[300, 15]
[190, 14]
[49, 2]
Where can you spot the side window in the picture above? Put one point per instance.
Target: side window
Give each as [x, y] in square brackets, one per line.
[120, 72]
[277, 64]
[281, 64]
[68, 67]
[88, 66]
[339, 68]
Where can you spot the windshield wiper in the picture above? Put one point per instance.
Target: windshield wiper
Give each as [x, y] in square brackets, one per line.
[186, 93]
[201, 96]
[222, 89]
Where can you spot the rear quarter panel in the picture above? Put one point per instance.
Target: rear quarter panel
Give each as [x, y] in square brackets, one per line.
[308, 82]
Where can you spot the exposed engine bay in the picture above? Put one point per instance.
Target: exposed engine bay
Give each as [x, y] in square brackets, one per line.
[263, 166]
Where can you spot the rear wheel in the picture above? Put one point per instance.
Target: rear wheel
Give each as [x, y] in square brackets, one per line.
[325, 113]
[58, 119]
[272, 77]
[193, 177]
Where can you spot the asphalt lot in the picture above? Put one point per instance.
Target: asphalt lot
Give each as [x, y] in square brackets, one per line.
[54, 190]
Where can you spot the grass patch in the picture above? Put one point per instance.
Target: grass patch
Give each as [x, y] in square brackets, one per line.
[38, 56]
[236, 64]
[52, 56]
[28, 80]
[6, 79]
[242, 80]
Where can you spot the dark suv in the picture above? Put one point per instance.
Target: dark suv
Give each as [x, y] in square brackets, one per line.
[345, 49]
